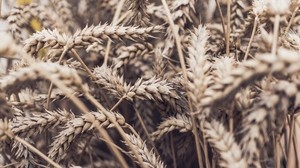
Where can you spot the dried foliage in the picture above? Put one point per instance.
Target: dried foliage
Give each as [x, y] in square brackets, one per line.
[162, 84]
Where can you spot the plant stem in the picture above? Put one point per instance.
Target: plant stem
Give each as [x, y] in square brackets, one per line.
[290, 143]
[251, 38]
[83, 64]
[117, 126]
[222, 19]
[114, 22]
[33, 149]
[275, 36]
[291, 21]
[183, 67]
[228, 27]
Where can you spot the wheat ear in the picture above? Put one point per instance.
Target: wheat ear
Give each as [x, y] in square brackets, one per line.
[179, 122]
[149, 158]
[224, 143]
[78, 126]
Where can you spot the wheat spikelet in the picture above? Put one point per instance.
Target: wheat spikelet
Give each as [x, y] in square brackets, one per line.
[224, 143]
[257, 12]
[252, 70]
[181, 11]
[237, 17]
[85, 37]
[159, 66]
[54, 72]
[44, 39]
[17, 18]
[63, 9]
[30, 125]
[198, 64]
[179, 122]
[139, 9]
[149, 157]
[81, 125]
[156, 11]
[152, 89]
[114, 32]
[128, 53]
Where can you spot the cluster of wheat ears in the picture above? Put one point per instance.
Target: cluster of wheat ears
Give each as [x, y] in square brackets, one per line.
[150, 83]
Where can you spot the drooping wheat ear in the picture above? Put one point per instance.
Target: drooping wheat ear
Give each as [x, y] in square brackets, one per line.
[6, 133]
[152, 89]
[286, 61]
[129, 53]
[156, 11]
[31, 125]
[58, 74]
[181, 11]
[105, 31]
[86, 37]
[255, 130]
[237, 17]
[268, 113]
[199, 66]
[45, 39]
[224, 143]
[161, 90]
[81, 125]
[180, 122]
[64, 11]
[24, 15]
[139, 14]
[9, 48]
[292, 41]
[22, 154]
[160, 63]
[244, 99]
[255, 15]
[149, 157]
[19, 17]
[111, 81]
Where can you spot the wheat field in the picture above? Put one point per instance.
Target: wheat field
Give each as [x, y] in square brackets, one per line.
[150, 83]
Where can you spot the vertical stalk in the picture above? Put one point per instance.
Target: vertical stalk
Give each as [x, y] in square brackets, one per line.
[251, 38]
[183, 67]
[114, 22]
[290, 143]
[291, 20]
[275, 35]
[0, 8]
[228, 27]
[222, 19]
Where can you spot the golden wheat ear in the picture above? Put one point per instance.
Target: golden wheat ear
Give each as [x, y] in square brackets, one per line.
[149, 157]
[80, 125]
